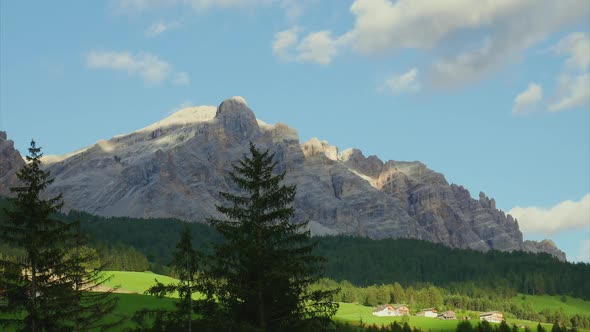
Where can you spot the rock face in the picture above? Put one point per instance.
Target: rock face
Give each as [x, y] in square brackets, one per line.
[10, 163]
[546, 246]
[176, 167]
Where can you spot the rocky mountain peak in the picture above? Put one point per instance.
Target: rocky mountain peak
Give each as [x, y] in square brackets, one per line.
[10, 162]
[237, 119]
[316, 147]
[177, 166]
[546, 246]
[486, 202]
[370, 166]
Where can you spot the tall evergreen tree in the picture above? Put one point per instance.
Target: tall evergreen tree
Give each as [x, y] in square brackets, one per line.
[184, 265]
[43, 288]
[84, 269]
[265, 264]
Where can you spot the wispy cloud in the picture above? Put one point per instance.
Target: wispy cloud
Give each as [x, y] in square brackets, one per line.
[159, 28]
[181, 79]
[284, 41]
[528, 99]
[572, 92]
[318, 47]
[149, 67]
[576, 46]
[403, 83]
[573, 85]
[566, 215]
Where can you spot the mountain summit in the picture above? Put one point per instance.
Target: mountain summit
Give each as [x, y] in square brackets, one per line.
[176, 167]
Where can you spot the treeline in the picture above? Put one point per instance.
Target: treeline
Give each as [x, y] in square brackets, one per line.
[464, 326]
[484, 326]
[152, 240]
[363, 261]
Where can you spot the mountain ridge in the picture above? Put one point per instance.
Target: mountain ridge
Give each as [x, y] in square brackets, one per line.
[176, 167]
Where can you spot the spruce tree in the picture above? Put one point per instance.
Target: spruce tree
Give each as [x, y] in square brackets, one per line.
[265, 265]
[43, 290]
[184, 265]
[84, 269]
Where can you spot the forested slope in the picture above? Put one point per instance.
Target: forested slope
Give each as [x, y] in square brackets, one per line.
[148, 243]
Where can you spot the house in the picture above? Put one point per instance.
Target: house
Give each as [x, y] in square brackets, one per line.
[428, 312]
[391, 310]
[446, 315]
[492, 316]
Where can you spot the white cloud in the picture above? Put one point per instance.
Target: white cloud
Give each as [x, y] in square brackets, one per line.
[181, 79]
[293, 8]
[572, 92]
[284, 41]
[573, 85]
[527, 99]
[566, 215]
[584, 253]
[318, 47]
[159, 28]
[149, 67]
[577, 47]
[468, 38]
[404, 83]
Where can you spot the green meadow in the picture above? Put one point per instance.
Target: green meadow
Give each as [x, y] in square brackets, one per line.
[357, 313]
[134, 282]
[570, 306]
[132, 285]
[139, 282]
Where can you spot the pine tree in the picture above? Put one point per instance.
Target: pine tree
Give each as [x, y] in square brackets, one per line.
[43, 289]
[185, 265]
[85, 271]
[265, 264]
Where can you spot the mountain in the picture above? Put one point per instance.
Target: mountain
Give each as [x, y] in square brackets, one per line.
[176, 167]
[10, 162]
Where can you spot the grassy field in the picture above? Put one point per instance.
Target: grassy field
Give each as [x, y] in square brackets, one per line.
[138, 282]
[130, 303]
[135, 282]
[355, 313]
[539, 302]
[360, 313]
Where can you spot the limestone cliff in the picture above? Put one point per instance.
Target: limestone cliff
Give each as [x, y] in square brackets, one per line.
[176, 167]
[10, 163]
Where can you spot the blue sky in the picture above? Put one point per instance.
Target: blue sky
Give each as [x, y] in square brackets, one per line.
[493, 94]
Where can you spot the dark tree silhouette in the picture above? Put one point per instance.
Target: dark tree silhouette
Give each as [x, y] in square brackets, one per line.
[265, 264]
[45, 288]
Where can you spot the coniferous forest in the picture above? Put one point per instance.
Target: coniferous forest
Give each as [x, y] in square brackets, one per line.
[142, 244]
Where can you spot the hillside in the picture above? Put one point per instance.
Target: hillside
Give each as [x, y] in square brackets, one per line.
[175, 168]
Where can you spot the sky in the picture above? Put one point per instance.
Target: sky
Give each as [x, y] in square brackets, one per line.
[493, 94]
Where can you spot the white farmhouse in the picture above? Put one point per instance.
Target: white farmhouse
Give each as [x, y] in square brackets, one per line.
[391, 310]
[492, 316]
[428, 312]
